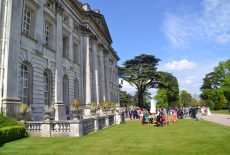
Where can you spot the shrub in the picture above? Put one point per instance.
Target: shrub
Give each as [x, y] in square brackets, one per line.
[4, 121]
[11, 133]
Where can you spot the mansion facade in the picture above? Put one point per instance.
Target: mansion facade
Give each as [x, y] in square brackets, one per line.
[52, 52]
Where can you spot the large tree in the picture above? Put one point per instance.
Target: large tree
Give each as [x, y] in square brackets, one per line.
[146, 99]
[140, 72]
[170, 83]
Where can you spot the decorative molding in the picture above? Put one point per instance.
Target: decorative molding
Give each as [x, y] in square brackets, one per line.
[85, 30]
[58, 7]
[93, 39]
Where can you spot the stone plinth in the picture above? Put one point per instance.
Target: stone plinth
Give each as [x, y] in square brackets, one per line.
[11, 107]
[60, 111]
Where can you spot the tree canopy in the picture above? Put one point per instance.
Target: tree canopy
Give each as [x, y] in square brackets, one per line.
[185, 98]
[216, 86]
[170, 83]
[140, 72]
[126, 99]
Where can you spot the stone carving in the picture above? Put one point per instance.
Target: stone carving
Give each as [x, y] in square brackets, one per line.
[85, 30]
[58, 7]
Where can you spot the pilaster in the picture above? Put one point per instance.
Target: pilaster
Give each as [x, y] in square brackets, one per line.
[10, 47]
[102, 80]
[95, 69]
[86, 51]
[107, 80]
[70, 55]
[60, 112]
[39, 28]
[59, 49]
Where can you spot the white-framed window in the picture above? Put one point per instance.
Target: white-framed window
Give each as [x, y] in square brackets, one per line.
[28, 21]
[48, 34]
[24, 83]
[65, 94]
[47, 87]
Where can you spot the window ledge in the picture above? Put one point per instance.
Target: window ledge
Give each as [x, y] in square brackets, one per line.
[29, 37]
[47, 46]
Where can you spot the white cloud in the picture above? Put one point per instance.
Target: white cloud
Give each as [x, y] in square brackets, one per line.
[181, 65]
[190, 80]
[128, 88]
[212, 23]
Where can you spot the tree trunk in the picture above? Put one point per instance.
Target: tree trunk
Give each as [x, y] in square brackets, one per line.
[140, 98]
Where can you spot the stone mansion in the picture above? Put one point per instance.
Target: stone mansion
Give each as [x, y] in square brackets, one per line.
[52, 52]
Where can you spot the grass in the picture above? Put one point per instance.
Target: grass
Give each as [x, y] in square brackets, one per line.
[221, 112]
[184, 137]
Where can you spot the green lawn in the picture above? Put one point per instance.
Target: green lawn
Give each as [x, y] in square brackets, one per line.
[184, 137]
[220, 111]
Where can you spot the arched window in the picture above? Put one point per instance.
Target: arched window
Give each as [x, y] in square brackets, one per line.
[47, 77]
[66, 93]
[25, 83]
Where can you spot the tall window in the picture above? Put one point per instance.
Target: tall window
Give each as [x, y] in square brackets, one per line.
[24, 83]
[47, 88]
[48, 34]
[66, 93]
[65, 47]
[28, 21]
[75, 54]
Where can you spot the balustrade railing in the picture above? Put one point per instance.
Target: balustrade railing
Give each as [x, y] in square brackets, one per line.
[68, 127]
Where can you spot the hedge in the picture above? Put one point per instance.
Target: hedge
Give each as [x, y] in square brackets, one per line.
[11, 133]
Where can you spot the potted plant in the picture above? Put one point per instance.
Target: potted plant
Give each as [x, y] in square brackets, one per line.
[112, 106]
[48, 111]
[93, 107]
[105, 106]
[77, 111]
[24, 110]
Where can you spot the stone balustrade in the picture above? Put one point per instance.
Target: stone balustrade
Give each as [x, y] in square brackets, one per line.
[70, 128]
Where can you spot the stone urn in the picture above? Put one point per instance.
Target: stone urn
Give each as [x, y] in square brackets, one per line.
[47, 113]
[47, 116]
[77, 115]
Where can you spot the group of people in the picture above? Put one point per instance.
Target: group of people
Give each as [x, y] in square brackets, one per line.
[163, 116]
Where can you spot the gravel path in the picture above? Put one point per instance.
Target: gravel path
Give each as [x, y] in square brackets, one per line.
[218, 118]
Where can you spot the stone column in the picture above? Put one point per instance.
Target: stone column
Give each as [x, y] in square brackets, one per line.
[70, 54]
[60, 112]
[95, 69]
[10, 47]
[39, 28]
[107, 80]
[102, 91]
[86, 32]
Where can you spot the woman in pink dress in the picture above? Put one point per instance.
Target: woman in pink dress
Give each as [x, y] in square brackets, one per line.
[174, 116]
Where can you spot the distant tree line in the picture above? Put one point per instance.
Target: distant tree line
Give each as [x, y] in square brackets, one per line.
[216, 87]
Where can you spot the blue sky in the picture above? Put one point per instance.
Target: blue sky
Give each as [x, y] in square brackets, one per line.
[189, 36]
